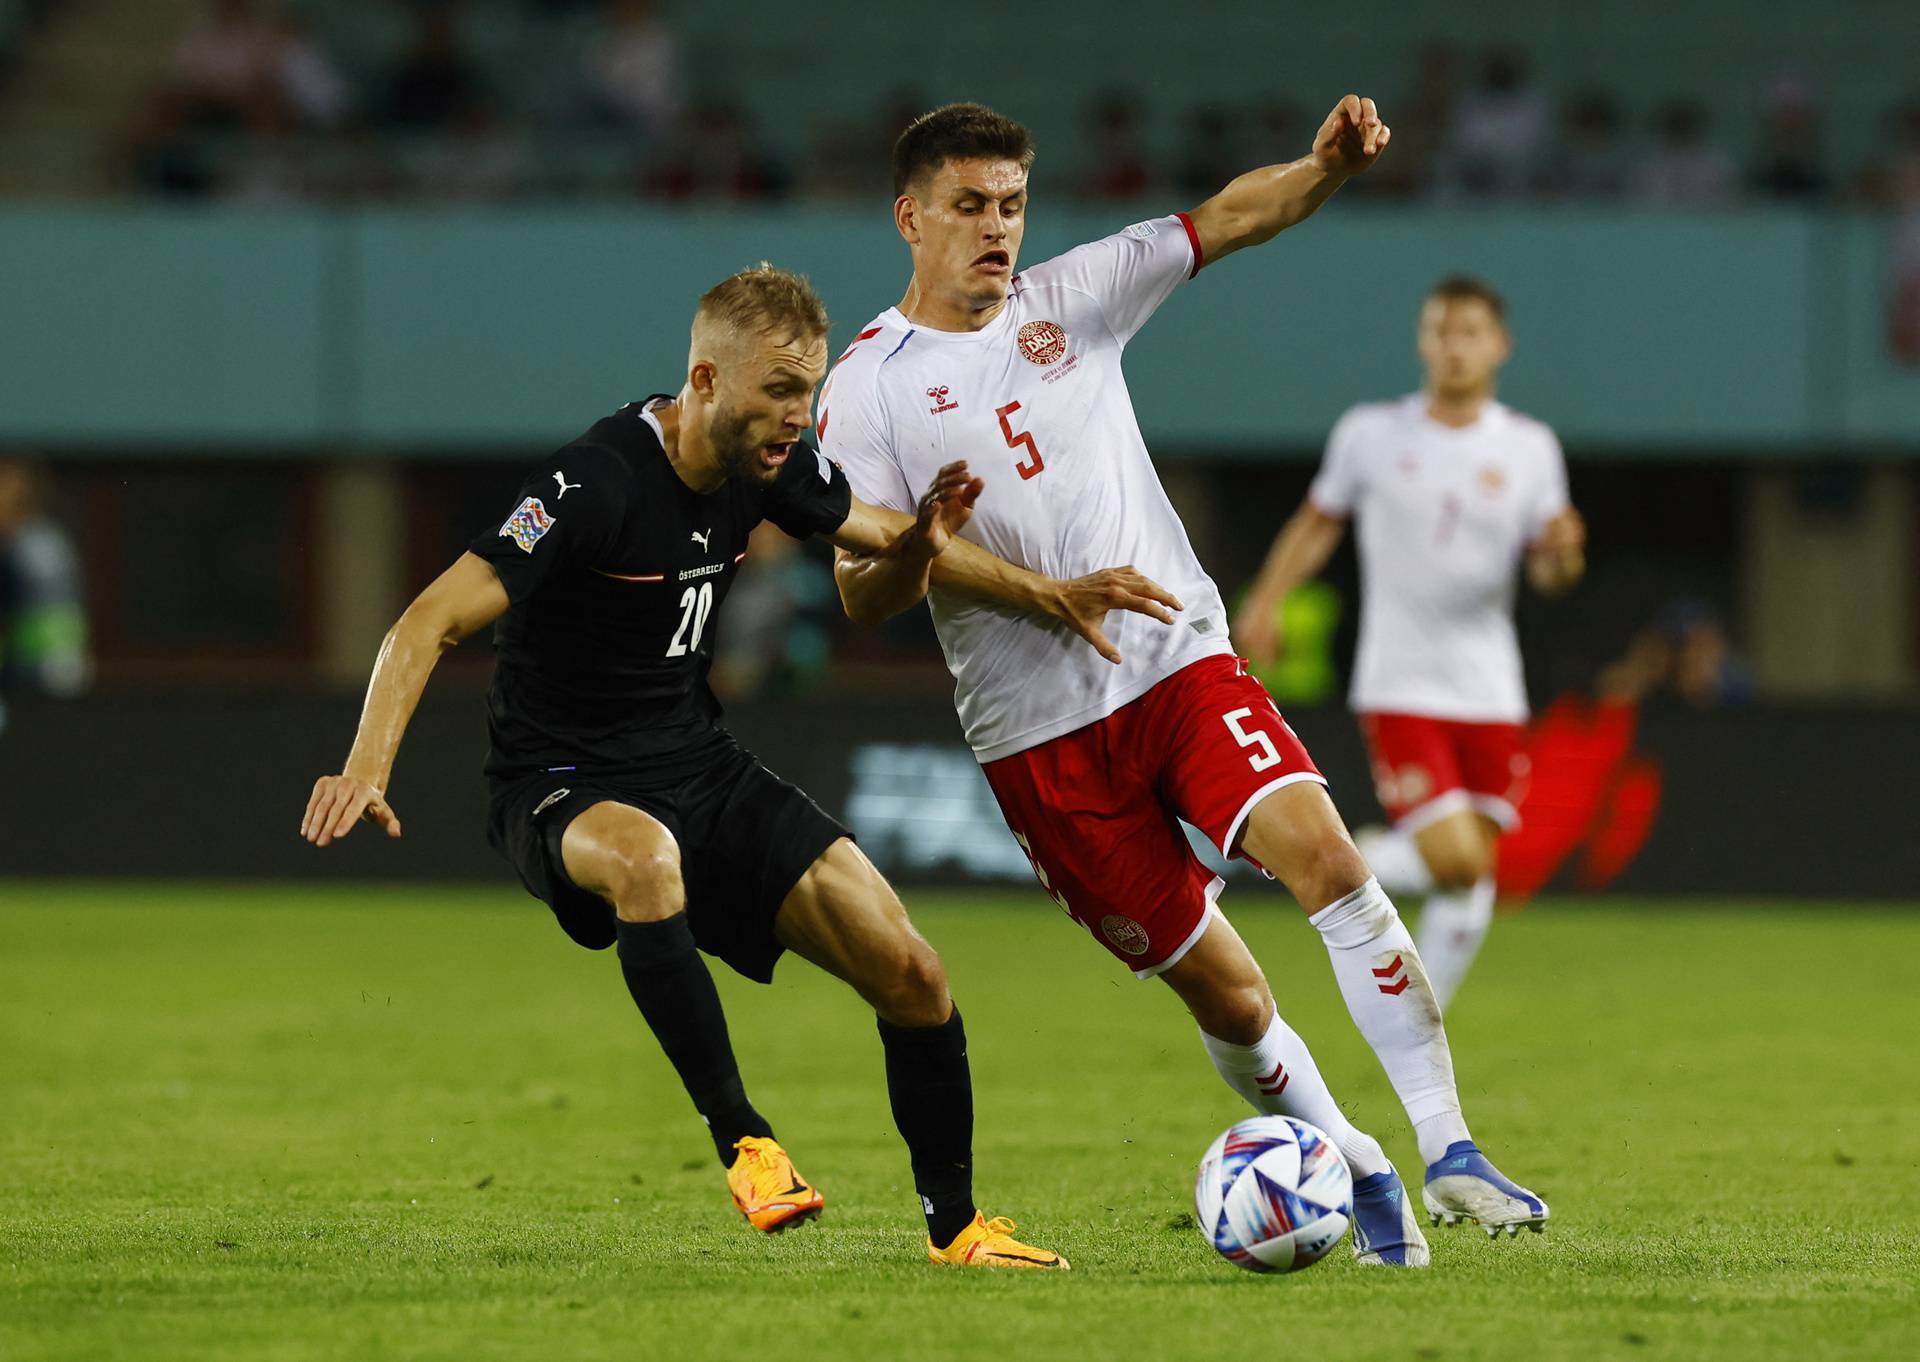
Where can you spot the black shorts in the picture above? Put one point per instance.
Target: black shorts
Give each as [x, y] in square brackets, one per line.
[745, 837]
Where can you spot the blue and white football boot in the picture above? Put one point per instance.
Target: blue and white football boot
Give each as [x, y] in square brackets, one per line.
[1463, 1185]
[1386, 1232]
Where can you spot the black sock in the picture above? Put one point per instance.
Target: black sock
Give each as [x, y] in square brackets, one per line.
[670, 983]
[932, 1094]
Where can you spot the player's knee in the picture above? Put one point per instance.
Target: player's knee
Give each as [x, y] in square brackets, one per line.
[1459, 867]
[914, 991]
[1329, 869]
[1237, 1015]
[644, 885]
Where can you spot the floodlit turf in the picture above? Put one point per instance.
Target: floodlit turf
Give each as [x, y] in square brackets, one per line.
[272, 1123]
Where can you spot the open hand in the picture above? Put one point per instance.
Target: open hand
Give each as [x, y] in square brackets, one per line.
[1352, 138]
[338, 802]
[1083, 603]
[945, 507]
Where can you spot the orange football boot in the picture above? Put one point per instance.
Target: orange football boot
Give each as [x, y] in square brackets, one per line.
[990, 1243]
[768, 1189]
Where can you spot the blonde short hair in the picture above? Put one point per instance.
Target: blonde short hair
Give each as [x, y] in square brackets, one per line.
[765, 300]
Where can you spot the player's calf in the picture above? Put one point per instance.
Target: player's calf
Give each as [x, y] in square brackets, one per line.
[843, 916]
[628, 858]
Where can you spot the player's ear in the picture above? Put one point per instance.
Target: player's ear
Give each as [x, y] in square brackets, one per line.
[906, 218]
[702, 376]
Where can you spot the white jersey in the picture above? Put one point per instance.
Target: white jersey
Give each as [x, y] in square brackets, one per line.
[1445, 516]
[1035, 402]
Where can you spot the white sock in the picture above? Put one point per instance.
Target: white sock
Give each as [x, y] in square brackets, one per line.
[1387, 991]
[1452, 926]
[1395, 859]
[1278, 1077]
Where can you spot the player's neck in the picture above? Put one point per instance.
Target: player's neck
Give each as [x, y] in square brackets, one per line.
[937, 312]
[688, 449]
[1458, 410]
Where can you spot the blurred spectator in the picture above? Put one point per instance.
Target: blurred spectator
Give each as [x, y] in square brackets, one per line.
[435, 85]
[1118, 166]
[480, 158]
[1685, 652]
[1213, 154]
[271, 165]
[1590, 165]
[717, 156]
[306, 78]
[1789, 166]
[1499, 133]
[43, 623]
[1894, 184]
[1903, 294]
[241, 82]
[633, 70]
[850, 159]
[1278, 134]
[164, 153]
[1685, 171]
[223, 62]
[1418, 159]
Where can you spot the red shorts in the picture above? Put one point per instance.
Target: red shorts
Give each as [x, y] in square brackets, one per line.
[1096, 809]
[1425, 769]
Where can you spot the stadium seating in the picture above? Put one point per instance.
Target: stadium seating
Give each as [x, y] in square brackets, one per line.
[798, 70]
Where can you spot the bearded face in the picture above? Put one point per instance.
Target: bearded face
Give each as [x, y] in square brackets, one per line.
[738, 441]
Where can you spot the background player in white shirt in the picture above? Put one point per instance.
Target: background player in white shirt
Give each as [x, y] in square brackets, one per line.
[1453, 492]
[1094, 762]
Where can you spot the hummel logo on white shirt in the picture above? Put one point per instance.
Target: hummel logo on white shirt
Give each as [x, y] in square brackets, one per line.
[701, 539]
[565, 486]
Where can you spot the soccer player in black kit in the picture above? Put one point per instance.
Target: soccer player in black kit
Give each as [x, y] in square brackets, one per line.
[616, 794]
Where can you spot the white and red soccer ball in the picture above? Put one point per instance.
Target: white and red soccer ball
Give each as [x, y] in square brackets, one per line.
[1273, 1194]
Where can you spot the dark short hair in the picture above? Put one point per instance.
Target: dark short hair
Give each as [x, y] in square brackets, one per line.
[1456, 287]
[957, 132]
[767, 299]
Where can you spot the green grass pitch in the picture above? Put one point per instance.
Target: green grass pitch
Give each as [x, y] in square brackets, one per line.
[290, 1123]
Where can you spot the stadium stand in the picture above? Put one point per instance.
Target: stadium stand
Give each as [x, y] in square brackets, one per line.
[573, 98]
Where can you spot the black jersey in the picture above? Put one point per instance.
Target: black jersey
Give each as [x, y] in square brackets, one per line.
[617, 571]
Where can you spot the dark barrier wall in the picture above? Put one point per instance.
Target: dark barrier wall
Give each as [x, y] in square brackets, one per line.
[1763, 801]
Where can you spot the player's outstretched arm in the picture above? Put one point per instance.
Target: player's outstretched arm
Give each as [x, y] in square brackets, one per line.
[1557, 560]
[885, 562]
[1299, 552]
[464, 599]
[1261, 204]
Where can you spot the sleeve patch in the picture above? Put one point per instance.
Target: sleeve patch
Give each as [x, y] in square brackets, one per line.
[527, 525]
[1140, 231]
[826, 468]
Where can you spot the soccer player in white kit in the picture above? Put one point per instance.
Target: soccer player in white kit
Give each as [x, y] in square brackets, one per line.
[1094, 761]
[1453, 492]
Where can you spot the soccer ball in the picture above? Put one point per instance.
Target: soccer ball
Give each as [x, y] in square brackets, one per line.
[1273, 1194]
